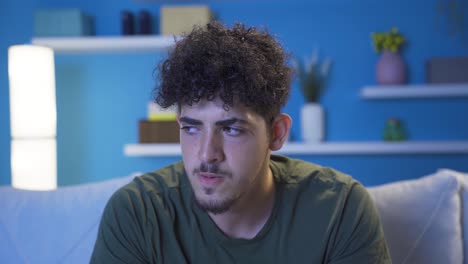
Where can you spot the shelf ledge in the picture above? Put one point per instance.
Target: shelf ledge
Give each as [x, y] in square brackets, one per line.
[106, 44]
[329, 148]
[414, 91]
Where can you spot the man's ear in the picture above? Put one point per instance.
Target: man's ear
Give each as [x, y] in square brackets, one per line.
[280, 131]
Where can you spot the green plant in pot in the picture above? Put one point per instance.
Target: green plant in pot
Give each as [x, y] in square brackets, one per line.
[390, 68]
[313, 76]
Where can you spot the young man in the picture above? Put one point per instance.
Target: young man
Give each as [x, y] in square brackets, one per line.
[230, 200]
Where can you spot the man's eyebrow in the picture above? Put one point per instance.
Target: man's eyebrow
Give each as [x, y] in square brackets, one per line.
[190, 121]
[230, 121]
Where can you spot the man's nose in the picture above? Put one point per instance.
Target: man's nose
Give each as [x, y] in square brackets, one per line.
[211, 148]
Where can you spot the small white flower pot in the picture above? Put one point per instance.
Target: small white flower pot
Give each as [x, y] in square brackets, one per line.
[312, 123]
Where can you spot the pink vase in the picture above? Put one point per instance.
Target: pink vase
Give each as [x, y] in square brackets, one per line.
[390, 68]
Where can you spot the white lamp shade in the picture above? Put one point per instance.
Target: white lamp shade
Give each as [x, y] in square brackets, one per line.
[32, 91]
[34, 164]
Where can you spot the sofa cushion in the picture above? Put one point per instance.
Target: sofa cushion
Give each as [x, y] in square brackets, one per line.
[53, 226]
[421, 219]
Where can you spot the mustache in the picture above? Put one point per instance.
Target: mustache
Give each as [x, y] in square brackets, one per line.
[211, 168]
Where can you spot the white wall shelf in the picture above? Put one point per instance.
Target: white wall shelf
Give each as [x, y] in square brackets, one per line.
[414, 91]
[329, 148]
[106, 44]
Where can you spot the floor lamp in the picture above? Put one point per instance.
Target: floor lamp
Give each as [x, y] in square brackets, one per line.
[33, 117]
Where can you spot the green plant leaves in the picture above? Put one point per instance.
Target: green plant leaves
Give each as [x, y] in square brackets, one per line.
[313, 76]
[392, 41]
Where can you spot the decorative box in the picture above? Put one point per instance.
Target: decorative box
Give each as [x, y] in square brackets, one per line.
[158, 131]
[61, 23]
[447, 70]
[176, 20]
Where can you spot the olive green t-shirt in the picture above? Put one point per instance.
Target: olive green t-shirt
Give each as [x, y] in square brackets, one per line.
[319, 216]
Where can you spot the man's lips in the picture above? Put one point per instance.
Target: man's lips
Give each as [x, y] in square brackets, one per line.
[210, 179]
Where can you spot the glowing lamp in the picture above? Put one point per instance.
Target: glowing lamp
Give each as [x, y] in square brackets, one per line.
[33, 117]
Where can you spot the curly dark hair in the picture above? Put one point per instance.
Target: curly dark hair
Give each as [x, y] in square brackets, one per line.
[238, 64]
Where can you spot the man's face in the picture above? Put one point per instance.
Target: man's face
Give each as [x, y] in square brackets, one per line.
[225, 153]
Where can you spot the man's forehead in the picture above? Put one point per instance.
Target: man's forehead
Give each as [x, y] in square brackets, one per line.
[215, 104]
[217, 110]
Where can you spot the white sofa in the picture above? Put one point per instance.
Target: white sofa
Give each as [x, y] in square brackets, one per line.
[423, 219]
[53, 226]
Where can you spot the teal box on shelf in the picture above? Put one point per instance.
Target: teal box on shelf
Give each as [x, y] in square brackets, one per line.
[61, 23]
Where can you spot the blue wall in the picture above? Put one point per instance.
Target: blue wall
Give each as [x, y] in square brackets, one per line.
[101, 97]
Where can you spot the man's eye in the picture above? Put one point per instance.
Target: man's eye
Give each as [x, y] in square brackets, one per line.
[189, 129]
[232, 131]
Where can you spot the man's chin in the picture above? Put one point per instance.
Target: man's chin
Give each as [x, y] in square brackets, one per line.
[214, 206]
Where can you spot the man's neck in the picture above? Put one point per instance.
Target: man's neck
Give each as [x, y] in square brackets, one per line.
[251, 212]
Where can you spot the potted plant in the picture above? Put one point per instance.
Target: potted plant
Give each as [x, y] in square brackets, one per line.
[313, 76]
[390, 68]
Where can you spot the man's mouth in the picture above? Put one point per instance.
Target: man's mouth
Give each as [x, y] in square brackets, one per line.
[210, 179]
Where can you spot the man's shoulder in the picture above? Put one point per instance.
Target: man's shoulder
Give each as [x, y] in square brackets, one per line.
[291, 171]
[156, 183]
[171, 176]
